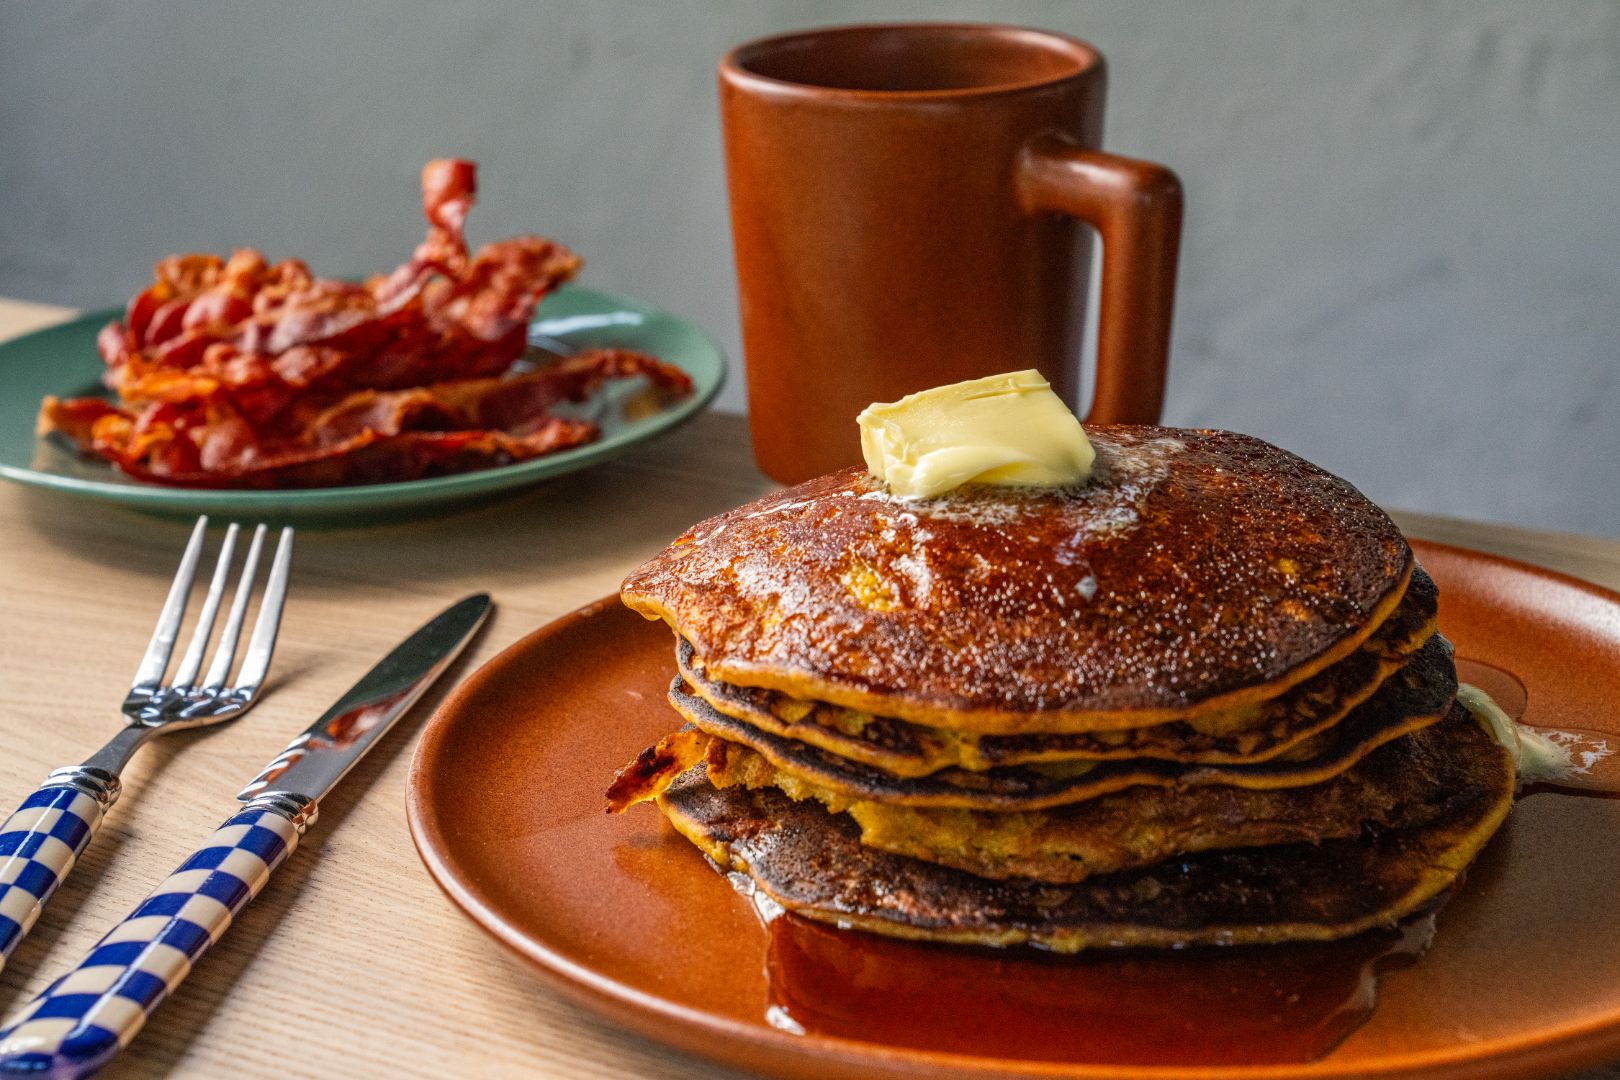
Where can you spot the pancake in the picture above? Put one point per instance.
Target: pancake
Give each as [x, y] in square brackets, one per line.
[812, 862]
[1416, 696]
[1196, 572]
[1132, 827]
[1248, 734]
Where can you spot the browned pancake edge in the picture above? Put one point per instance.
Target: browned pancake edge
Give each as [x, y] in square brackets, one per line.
[1418, 695]
[812, 862]
[1257, 732]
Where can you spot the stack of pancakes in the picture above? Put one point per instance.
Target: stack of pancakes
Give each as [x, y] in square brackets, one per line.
[1198, 699]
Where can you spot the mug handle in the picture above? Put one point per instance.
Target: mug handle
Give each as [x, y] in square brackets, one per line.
[1135, 206]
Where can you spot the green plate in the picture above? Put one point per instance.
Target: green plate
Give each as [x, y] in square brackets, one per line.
[62, 360]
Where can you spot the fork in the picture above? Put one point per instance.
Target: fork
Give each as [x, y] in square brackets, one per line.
[40, 842]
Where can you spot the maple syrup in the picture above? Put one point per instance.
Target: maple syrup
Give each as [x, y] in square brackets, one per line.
[1202, 1006]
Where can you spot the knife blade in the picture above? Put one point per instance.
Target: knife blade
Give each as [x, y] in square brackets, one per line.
[324, 752]
[80, 1022]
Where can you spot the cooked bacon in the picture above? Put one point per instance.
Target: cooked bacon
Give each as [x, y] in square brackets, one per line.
[238, 372]
[274, 332]
[369, 436]
[655, 768]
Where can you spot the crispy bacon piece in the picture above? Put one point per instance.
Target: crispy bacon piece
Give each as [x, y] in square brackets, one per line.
[241, 373]
[369, 436]
[655, 768]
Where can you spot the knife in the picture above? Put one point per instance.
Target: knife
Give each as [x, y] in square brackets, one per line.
[79, 1022]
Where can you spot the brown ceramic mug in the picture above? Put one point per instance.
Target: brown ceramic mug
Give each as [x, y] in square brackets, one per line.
[908, 205]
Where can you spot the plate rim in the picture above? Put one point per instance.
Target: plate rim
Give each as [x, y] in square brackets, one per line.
[1574, 1046]
[363, 497]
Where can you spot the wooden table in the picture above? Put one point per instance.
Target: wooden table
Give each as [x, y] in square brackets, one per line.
[352, 963]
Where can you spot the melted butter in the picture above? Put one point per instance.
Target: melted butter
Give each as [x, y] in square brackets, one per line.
[1552, 756]
[1005, 429]
[1501, 726]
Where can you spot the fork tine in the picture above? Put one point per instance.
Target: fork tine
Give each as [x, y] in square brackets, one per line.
[191, 662]
[161, 646]
[263, 642]
[220, 669]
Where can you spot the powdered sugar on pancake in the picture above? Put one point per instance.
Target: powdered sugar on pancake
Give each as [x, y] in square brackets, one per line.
[1123, 477]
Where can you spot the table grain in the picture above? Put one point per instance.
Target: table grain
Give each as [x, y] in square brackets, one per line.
[351, 963]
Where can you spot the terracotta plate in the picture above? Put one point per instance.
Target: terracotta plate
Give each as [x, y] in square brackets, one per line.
[506, 807]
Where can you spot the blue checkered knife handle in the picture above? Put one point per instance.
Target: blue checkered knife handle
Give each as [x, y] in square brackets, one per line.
[80, 1022]
[40, 842]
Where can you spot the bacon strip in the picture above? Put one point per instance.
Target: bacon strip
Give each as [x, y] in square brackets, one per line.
[655, 768]
[369, 436]
[239, 373]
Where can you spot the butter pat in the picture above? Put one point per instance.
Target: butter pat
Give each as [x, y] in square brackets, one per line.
[1004, 429]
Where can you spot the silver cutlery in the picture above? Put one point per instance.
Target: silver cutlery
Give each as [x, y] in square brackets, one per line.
[41, 841]
[80, 1022]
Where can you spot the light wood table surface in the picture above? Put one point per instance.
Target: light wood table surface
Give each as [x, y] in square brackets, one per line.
[351, 963]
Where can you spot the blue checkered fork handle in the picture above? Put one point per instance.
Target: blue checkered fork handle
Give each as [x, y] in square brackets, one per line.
[84, 1018]
[39, 844]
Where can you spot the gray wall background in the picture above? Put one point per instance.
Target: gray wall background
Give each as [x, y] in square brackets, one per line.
[1402, 256]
